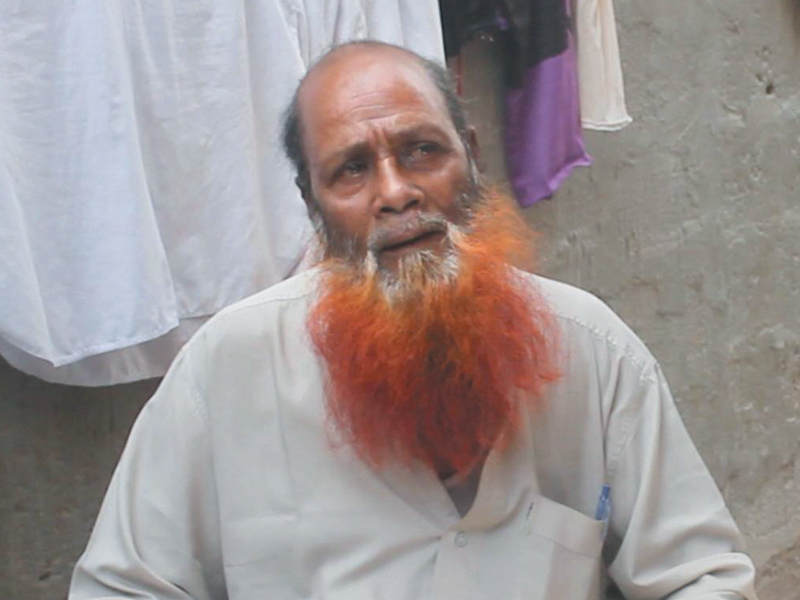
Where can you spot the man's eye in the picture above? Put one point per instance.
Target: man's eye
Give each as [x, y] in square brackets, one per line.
[351, 169]
[422, 153]
[423, 149]
[354, 168]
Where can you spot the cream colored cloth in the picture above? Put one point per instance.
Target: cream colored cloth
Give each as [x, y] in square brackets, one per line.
[229, 487]
[601, 87]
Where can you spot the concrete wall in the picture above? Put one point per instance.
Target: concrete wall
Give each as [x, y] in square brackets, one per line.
[688, 225]
[58, 448]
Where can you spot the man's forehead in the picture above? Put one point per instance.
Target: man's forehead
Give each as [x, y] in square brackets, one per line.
[351, 58]
[361, 77]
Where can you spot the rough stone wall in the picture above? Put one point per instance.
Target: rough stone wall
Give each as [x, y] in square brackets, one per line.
[58, 448]
[688, 225]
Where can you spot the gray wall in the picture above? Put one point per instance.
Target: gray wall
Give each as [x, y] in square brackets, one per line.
[58, 447]
[688, 225]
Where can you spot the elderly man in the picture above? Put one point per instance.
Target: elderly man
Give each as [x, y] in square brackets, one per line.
[415, 417]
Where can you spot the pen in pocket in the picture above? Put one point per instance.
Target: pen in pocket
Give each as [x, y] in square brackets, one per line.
[603, 511]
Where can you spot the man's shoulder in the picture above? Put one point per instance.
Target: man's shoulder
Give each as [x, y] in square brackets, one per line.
[580, 312]
[295, 290]
[570, 303]
[262, 314]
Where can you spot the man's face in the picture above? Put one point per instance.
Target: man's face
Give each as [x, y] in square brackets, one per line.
[387, 168]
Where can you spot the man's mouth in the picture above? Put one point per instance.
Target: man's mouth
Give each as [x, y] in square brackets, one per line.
[420, 241]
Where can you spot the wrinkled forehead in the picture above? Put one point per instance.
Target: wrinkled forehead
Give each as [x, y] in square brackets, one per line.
[350, 83]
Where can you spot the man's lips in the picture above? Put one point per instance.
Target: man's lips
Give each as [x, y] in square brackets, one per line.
[414, 241]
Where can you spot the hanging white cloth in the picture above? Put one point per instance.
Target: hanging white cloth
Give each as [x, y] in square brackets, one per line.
[602, 92]
[142, 182]
[409, 23]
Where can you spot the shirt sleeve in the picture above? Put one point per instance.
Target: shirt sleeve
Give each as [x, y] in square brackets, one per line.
[675, 537]
[157, 534]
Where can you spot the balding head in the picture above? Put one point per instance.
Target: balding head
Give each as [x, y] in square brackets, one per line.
[336, 67]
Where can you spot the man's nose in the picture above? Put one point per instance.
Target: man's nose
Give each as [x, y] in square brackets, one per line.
[395, 192]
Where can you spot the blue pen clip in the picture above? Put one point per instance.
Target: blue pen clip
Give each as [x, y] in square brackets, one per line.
[603, 511]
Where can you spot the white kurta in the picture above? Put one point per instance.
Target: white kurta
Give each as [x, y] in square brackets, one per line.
[142, 182]
[228, 487]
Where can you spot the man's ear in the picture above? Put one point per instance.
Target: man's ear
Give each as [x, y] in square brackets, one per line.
[304, 185]
[472, 144]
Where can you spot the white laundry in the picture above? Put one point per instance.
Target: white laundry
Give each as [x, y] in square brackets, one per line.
[142, 182]
[601, 87]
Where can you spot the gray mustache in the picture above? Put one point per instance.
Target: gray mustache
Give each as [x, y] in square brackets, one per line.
[409, 228]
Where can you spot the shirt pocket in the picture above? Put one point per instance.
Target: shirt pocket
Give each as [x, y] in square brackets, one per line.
[562, 551]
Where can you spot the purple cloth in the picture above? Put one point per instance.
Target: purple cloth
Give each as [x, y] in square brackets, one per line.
[544, 139]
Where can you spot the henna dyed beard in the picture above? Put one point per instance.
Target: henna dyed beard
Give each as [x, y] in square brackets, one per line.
[431, 363]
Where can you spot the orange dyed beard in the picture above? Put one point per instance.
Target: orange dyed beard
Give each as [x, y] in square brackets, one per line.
[433, 367]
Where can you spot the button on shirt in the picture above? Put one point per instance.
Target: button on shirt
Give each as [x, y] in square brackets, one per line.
[231, 486]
